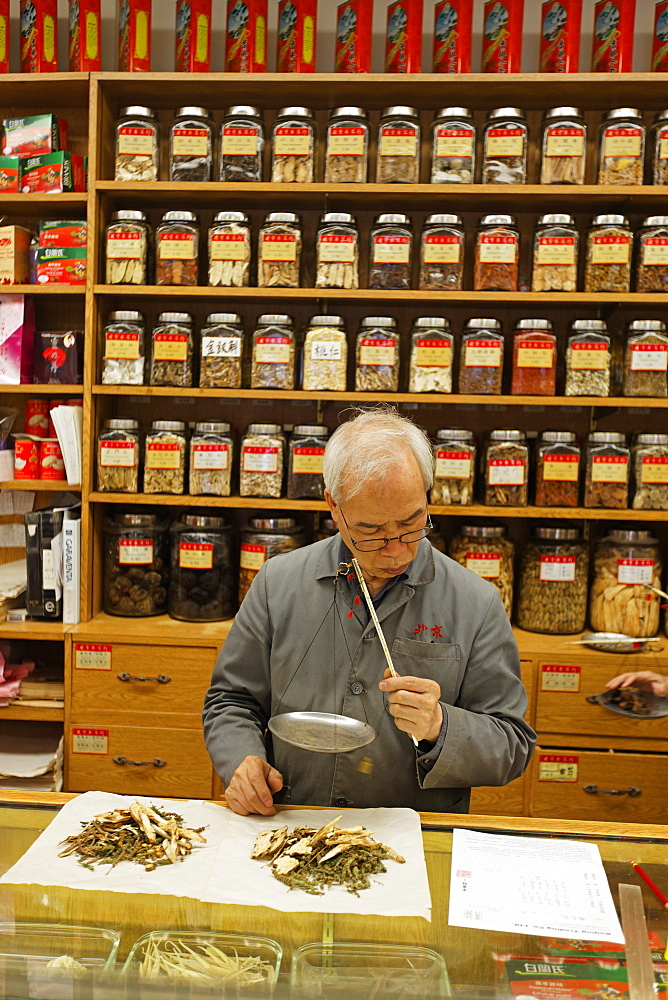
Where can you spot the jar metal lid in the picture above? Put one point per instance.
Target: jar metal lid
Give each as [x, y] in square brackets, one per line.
[232, 319]
[264, 429]
[242, 110]
[556, 219]
[174, 317]
[507, 435]
[272, 523]
[168, 425]
[483, 323]
[121, 424]
[453, 113]
[128, 215]
[138, 521]
[655, 220]
[589, 326]
[231, 217]
[534, 324]
[557, 534]
[337, 217]
[483, 530]
[203, 521]
[610, 220]
[137, 110]
[646, 326]
[395, 218]
[606, 437]
[632, 535]
[565, 112]
[213, 427]
[327, 321]
[498, 220]
[378, 321]
[652, 439]
[443, 220]
[660, 116]
[505, 113]
[282, 217]
[180, 217]
[310, 430]
[295, 112]
[558, 437]
[431, 323]
[622, 113]
[457, 434]
[275, 319]
[348, 112]
[127, 316]
[399, 111]
[193, 112]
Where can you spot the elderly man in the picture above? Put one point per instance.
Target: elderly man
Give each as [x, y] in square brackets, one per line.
[303, 641]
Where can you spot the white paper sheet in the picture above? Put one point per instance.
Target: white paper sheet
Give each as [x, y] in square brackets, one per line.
[527, 885]
[27, 751]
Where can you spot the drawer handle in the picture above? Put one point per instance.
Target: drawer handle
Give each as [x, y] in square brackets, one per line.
[160, 679]
[124, 762]
[632, 792]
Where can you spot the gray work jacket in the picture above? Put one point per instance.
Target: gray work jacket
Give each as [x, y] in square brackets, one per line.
[293, 647]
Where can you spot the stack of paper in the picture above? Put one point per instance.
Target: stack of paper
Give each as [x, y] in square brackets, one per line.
[31, 757]
[68, 421]
[13, 578]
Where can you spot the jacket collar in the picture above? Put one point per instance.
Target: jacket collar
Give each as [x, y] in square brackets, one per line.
[422, 569]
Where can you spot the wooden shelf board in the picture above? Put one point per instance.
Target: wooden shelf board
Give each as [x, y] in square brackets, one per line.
[45, 390]
[71, 290]
[40, 630]
[165, 500]
[37, 204]
[37, 91]
[161, 630]
[40, 486]
[34, 713]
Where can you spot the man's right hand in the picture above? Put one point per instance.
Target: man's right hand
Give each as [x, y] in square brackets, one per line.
[646, 680]
[252, 786]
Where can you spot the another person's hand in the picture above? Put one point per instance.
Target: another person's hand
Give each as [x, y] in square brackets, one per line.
[252, 786]
[414, 704]
[646, 680]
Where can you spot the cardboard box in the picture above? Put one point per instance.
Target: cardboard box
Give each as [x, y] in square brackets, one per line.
[4, 36]
[63, 233]
[39, 36]
[560, 30]
[134, 36]
[612, 43]
[403, 39]
[502, 36]
[84, 32]
[453, 32]
[354, 31]
[61, 266]
[58, 357]
[9, 173]
[17, 335]
[296, 39]
[14, 256]
[575, 948]
[34, 135]
[53, 173]
[193, 36]
[660, 38]
[246, 41]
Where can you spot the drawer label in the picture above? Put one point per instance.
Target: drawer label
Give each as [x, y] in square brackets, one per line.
[558, 677]
[557, 767]
[91, 656]
[92, 741]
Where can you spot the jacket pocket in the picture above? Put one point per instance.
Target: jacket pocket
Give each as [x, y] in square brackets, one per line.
[439, 661]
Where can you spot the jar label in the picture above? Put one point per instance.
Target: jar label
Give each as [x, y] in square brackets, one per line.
[121, 345]
[559, 569]
[221, 347]
[135, 552]
[557, 767]
[534, 354]
[120, 454]
[228, 246]
[124, 246]
[505, 142]
[346, 141]
[378, 352]
[92, 656]
[655, 251]
[398, 141]
[162, 456]
[480, 354]
[654, 469]
[259, 459]
[611, 250]
[336, 249]
[649, 357]
[565, 142]
[497, 249]
[170, 347]
[239, 141]
[292, 142]
[555, 250]
[190, 142]
[559, 677]
[506, 471]
[454, 142]
[279, 247]
[195, 555]
[326, 350]
[485, 564]
[176, 246]
[136, 141]
[433, 354]
[622, 142]
[441, 249]
[252, 557]
[391, 249]
[589, 357]
[663, 148]
[308, 461]
[90, 741]
[561, 468]
[453, 465]
[635, 571]
[609, 469]
[211, 456]
[272, 350]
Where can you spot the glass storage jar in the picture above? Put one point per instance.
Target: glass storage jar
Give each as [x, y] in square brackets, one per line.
[660, 148]
[229, 250]
[347, 147]
[553, 582]
[165, 457]
[558, 457]
[505, 144]
[651, 272]
[172, 350]
[607, 467]
[398, 159]
[211, 456]
[442, 253]
[497, 254]
[534, 358]
[453, 147]
[306, 450]
[136, 565]
[588, 359]
[191, 145]
[273, 352]
[337, 251]
[624, 561]
[137, 145]
[555, 254]
[177, 249]
[486, 551]
[279, 251]
[608, 260]
[118, 456]
[325, 355]
[506, 465]
[481, 362]
[454, 467]
[127, 248]
[646, 359]
[621, 155]
[430, 366]
[377, 355]
[241, 144]
[564, 147]
[123, 360]
[262, 539]
[221, 352]
[293, 147]
[650, 472]
[202, 577]
[261, 465]
[391, 252]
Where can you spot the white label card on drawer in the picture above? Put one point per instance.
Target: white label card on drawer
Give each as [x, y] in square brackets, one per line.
[559, 677]
[557, 767]
[92, 656]
[92, 741]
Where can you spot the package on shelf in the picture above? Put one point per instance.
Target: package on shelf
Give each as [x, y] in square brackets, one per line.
[34, 135]
[63, 233]
[193, 36]
[453, 28]
[353, 36]
[52, 172]
[134, 36]
[560, 30]
[58, 357]
[4, 36]
[660, 38]
[9, 173]
[403, 40]
[502, 36]
[612, 41]
[14, 255]
[296, 38]
[246, 40]
[17, 334]
[61, 266]
[601, 949]
[84, 36]
[39, 36]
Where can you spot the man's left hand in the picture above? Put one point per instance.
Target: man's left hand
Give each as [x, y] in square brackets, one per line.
[414, 704]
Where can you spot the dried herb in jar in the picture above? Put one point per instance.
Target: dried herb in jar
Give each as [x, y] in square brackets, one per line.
[118, 456]
[557, 470]
[488, 553]
[555, 255]
[172, 354]
[660, 152]
[534, 358]
[325, 355]
[652, 255]
[553, 582]
[618, 602]
[280, 251]
[347, 148]
[391, 252]
[262, 539]
[221, 352]
[306, 451]
[191, 146]
[127, 249]
[398, 160]
[646, 359]
[622, 147]
[442, 253]
[431, 356]
[135, 566]
[608, 260]
[505, 142]
[201, 586]
[293, 150]
[607, 459]
[123, 362]
[454, 468]
[377, 355]
[273, 353]
[650, 472]
[165, 457]
[564, 147]
[481, 364]
[453, 147]
[241, 144]
[229, 250]
[337, 251]
[137, 154]
[497, 255]
[210, 459]
[506, 469]
[177, 249]
[588, 359]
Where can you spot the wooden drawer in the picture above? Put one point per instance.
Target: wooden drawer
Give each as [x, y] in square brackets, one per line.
[93, 744]
[508, 800]
[558, 779]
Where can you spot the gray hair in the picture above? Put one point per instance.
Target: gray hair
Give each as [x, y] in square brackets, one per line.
[370, 446]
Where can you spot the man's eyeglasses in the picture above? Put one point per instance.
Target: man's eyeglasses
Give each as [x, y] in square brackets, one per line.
[373, 544]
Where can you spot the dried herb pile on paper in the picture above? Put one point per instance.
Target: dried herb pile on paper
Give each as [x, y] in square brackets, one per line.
[311, 859]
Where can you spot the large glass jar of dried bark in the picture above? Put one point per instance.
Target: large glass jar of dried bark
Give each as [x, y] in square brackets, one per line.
[261, 465]
[377, 355]
[564, 147]
[486, 551]
[211, 456]
[123, 360]
[172, 350]
[273, 352]
[506, 464]
[608, 258]
[454, 467]
[325, 354]
[279, 251]
[558, 459]
[442, 253]
[505, 145]
[118, 456]
[621, 155]
[293, 147]
[646, 359]
[624, 561]
[553, 582]
[481, 357]
[588, 359]
[391, 252]
[650, 472]
[607, 468]
[221, 352]
[453, 147]
[137, 153]
[497, 254]
[652, 255]
[128, 248]
[177, 249]
[398, 158]
[431, 357]
[337, 251]
[229, 250]
[347, 147]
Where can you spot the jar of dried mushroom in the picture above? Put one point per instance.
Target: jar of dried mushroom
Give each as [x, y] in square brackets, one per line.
[607, 467]
[136, 565]
[486, 551]
[280, 251]
[646, 359]
[624, 561]
[558, 457]
[261, 465]
[229, 250]
[306, 450]
[555, 254]
[325, 354]
[293, 147]
[622, 147]
[506, 469]
[660, 148]
[431, 355]
[377, 355]
[191, 145]
[177, 249]
[221, 352]
[172, 350]
[588, 359]
[534, 358]
[481, 362]
[273, 352]
[347, 147]
[564, 147]
[137, 152]
[553, 582]
[127, 248]
[454, 467]
[650, 472]
[123, 360]
[202, 577]
[398, 160]
[652, 255]
[497, 254]
[453, 147]
[337, 251]
[165, 457]
[241, 144]
[442, 253]
[391, 252]
[608, 260]
[505, 144]
[211, 454]
[262, 539]
[118, 456]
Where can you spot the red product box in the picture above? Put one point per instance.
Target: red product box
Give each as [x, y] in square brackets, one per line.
[39, 36]
[63, 233]
[246, 42]
[659, 42]
[26, 458]
[34, 135]
[612, 44]
[453, 29]
[353, 36]
[502, 36]
[84, 33]
[560, 29]
[55, 172]
[9, 173]
[296, 40]
[37, 417]
[4, 36]
[193, 36]
[403, 40]
[51, 464]
[134, 36]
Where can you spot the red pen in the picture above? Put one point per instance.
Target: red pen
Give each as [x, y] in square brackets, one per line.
[655, 889]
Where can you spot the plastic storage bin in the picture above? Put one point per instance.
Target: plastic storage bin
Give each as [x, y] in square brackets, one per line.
[38, 944]
[378, 970]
